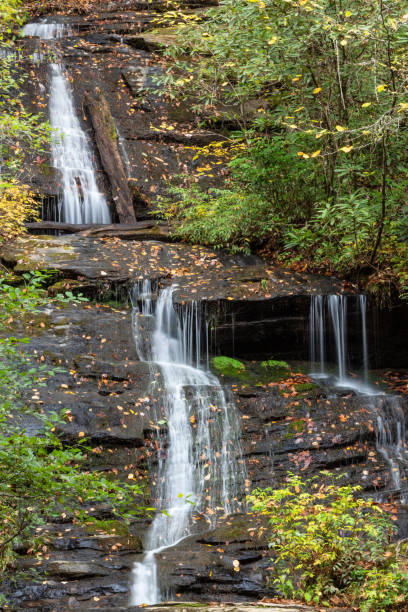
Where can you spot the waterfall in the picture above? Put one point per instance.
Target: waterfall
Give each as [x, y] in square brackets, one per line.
[329, 314]
[338, 312]
[200, 466]
[391, 437]
[81, 201]
[363, 311]
[316, 330]
[46, 31]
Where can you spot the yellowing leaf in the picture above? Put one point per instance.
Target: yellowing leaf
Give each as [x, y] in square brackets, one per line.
[348, 13]
[381, 88]
[343, 42]
[366, 105]
[340, 128]
[317, 90]
[316, 153]
[347, 149]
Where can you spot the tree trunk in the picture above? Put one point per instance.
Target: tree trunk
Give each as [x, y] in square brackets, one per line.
[107, 141]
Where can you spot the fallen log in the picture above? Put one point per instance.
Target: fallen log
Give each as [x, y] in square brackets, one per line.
[144, 230]
[107, 142]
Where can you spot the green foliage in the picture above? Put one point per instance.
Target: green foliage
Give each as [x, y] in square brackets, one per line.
[329, 546]
[21, 133]
[218, 217]
[40, 478]
[319, 93]
[227, 366]
[272, 363]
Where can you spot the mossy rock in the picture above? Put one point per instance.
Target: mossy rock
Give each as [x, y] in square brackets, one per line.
[275, 365]
[226, 366]
[305, 387]
[109, 527]
[251, 372]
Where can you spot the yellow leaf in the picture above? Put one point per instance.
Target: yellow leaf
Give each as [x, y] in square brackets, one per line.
[316, 153]
[348, 13]
[320, 134]
[381, 87]
[343, 42]
[317, 90]
[340, 128]
[273, 40]
[366, 105]
[347, 149]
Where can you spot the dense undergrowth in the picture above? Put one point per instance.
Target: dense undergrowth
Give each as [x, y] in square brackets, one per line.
[41, 479]
[331, 548]
[317, 162]
[22, 134]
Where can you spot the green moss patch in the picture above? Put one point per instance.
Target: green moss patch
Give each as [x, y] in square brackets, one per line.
[226, 366]
[251, 372]
[275, 365]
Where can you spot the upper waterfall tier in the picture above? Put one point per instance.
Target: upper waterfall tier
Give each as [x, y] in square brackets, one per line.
[81, 200]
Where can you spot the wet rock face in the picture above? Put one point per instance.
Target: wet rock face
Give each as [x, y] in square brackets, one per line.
[106, 52]
[106, 390]
[254, 310]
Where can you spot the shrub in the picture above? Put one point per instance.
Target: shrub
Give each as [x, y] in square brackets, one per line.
[329, 546]
[41, 479]
[16, 205]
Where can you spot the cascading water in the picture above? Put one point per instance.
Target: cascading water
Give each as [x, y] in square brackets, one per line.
[329, 314]
[200, 465]
[45, 30]
[316, 330]
[81, 200]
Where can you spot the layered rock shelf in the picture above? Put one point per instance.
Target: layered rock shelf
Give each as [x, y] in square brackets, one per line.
[250, 310]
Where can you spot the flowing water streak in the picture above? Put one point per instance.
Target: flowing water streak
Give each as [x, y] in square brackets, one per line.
[46, 31]
[317, 340]
[387, 408]
[338, 313]
[363, 311]
[81, 201]
[203, 462]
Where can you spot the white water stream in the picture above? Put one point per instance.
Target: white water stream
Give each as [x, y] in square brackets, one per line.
[329, 313]
[200, 464]
[81, 200]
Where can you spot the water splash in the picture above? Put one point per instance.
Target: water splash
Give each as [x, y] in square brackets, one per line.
[200, 459]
